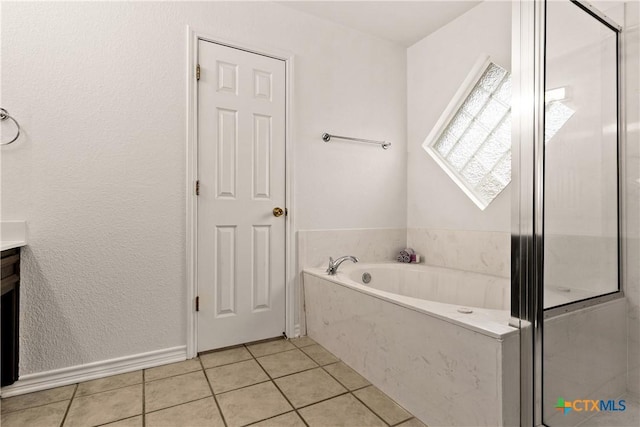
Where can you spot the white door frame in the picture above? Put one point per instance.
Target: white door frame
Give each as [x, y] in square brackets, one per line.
[193, 36]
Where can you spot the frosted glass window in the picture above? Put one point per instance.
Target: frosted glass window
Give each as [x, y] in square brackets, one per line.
[474, 145]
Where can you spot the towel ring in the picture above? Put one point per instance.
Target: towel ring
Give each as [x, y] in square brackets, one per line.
[4, 114]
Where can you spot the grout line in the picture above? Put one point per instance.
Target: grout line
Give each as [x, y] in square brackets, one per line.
[274, 353]
[115, 421]
[402, 422]
[363, 387]
[34, 406]
[351, 392]
[303, 346]
[369, 408]
[172, 376]
[288, 375]
[376, 412]
[224, 421]
[339, 382]
[243, 387]
[109, 389]
[272, 417]
[324, 400]
[288, 351]
[219, 350]
[302, 418]
[282, 393]
[227, 364]
[173, 406]
[64, 418]
[288, 401]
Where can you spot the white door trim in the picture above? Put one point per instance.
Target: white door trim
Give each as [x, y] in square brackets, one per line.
[191, 254]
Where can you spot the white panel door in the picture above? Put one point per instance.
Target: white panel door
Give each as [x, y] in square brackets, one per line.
[241, 171]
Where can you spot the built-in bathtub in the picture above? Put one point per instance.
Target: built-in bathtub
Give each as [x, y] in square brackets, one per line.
[436, 340]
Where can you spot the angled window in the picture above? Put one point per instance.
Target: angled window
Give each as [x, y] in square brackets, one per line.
[472, 139]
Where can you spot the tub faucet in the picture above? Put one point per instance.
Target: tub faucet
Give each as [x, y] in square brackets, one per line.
[333, 265]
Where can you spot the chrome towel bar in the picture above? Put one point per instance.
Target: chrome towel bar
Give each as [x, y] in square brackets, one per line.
[326, 137]
[4, 115]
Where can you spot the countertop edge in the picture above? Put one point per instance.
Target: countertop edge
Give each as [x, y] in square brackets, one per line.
[5, 246]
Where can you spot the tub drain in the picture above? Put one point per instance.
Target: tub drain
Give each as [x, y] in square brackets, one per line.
[366, 278]
[465, 310]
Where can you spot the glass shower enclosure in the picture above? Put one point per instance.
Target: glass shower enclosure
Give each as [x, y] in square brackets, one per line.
[575, 254]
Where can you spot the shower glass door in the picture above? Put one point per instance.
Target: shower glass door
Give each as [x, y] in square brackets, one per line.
[580, 157]
[583, 347]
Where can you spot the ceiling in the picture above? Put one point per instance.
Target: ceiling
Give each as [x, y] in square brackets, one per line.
[403, 22]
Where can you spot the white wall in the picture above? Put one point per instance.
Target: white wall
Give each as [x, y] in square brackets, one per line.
[436, 67]
[100, 91]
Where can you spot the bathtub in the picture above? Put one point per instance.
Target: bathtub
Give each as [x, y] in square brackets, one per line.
[436, 340]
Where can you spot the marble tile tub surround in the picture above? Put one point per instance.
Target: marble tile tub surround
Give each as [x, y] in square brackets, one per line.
[226, 388]
[368, 244]
[486, 252]
[444, 374]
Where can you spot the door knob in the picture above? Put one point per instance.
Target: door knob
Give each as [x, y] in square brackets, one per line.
[277, 212]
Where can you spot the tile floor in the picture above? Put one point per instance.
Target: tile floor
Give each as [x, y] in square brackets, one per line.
[274, 383]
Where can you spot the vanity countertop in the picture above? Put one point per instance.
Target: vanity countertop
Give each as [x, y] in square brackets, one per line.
[11, 244]
[14, 234]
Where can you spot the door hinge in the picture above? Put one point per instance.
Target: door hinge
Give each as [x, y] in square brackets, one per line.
[197, 303]
[197, 187]
[198, 72]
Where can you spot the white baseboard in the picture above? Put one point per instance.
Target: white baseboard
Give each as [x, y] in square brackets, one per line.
[91, 371]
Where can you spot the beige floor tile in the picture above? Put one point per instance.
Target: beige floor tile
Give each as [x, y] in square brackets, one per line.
[40, 416]
[343, 410]
[225, 357]
[346, 376]
[382, 405]
[286, 363]
[302, 342]
[105, 407]
[128, 422]
[237, 375]
[109, 383]
[175, 390]
[413, 422]
[38, 398]
[270, 347]
[309, 387]
[290, 419]
[172, 369]
[319, 354]
[203, 412]
[250, 404]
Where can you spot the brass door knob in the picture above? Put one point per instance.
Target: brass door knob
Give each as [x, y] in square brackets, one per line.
[278, 212]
